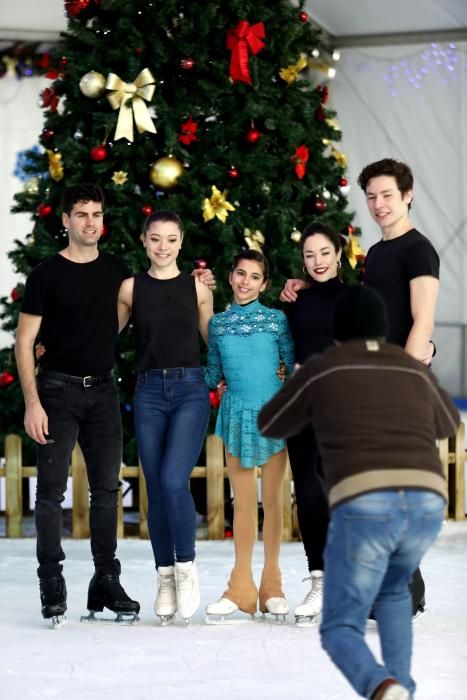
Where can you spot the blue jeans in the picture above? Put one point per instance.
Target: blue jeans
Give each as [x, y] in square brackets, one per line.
[375, 543]
[171, 417]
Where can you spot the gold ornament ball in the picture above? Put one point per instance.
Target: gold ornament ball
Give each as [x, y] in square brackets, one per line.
[31, 186]
[92, 84]
[295, 236]
[165, 172]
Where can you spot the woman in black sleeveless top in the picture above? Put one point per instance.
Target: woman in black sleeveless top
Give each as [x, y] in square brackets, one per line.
[168, 309]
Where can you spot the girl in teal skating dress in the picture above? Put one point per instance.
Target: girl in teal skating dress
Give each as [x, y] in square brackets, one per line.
[246, 345]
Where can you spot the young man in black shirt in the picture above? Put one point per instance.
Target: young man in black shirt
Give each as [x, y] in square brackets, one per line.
[72, 299]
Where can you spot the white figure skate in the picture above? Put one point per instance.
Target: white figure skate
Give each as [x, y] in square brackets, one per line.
[187, 589]
[219, 613]
[309, 612]
[165, 605]
[277, 607]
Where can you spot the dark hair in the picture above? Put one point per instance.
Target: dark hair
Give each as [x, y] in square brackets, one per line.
[399, 171]
[252, 255]
[82, 192]
[326, 230]
[360, 312]
[162, 215]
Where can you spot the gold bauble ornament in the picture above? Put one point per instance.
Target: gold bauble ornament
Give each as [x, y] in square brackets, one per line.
[295, 236]
[165, 172]
[31, 186]
[92, 84]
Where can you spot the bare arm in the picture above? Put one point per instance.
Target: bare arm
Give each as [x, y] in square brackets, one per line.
[205, 308]
[423, 297]
[291, 287]
[36, 422]
[125, 302]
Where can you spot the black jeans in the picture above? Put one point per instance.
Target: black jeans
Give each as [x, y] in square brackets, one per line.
[90, 416]
[312, 502]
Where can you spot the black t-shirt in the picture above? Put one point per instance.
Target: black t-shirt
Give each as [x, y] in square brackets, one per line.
[389, 267]
[165, 320]
[78, 305]
[310, 317]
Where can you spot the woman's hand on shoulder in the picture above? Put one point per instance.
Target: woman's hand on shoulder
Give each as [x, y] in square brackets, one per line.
[291, 287]
[206, 276]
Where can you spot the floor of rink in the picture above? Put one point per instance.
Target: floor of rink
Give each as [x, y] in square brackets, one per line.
[251, 661]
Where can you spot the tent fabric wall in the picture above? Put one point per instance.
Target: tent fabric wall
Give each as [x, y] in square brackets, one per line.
[410, 103]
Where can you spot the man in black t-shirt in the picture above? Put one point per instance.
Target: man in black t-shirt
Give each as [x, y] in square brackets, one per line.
[72, 299]
[403, 266]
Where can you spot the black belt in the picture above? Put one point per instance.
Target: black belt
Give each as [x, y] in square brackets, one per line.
[87, 381]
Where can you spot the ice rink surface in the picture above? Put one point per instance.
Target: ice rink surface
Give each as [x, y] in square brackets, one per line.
[245, 662]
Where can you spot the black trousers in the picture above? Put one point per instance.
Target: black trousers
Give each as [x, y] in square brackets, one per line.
[312, 502]
[312, 506]
[90, 416]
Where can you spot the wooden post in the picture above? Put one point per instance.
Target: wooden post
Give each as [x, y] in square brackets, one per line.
[443, 449]
[80, 495]
[459, 474]
[287, 505]
[143, 505]
[215, 487]
[13, 486]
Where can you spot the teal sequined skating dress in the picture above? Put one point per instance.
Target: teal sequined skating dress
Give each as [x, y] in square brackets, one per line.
[246, 344]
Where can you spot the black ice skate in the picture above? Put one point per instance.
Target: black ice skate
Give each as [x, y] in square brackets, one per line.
[105, 590]
[53, 599]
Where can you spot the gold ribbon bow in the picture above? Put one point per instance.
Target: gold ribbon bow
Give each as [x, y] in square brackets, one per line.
[129, 98]
[217, 205]
[353, 251]
[254, 239]
[290, 74]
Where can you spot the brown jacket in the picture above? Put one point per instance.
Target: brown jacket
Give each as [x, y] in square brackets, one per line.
[376, 412]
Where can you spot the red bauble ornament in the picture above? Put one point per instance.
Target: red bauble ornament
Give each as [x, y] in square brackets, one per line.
[63, 62]
[253, 135]
[6, 378]
[104, 231]
[201, 264]
[214, 398]
[73, 8]
[44, 210]
[350, 230]
[228, 534]
[47, 135]
[44, 60]
[233, 173]
[147, 210]
[303, 16]
[15, 295]
[99, 152]
[319, 205]
[138, 50]
[187, 63]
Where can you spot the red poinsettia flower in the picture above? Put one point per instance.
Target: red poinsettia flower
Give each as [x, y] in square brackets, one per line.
[189, 129]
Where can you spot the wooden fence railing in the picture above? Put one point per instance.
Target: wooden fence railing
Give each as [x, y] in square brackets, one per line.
[452, 454]
[214, 472]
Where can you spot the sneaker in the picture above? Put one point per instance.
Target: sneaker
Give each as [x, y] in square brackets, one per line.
[313, 602]
[166, 598]
[187, 589]
[390, 689]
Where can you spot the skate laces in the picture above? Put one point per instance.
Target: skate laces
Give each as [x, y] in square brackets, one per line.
[166, 584]
[316, 590]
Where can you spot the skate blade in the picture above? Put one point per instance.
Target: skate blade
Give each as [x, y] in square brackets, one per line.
[227, 620]
[166, 620]
[120, 619]
[58, 621]
[274, 618]
[307, 620]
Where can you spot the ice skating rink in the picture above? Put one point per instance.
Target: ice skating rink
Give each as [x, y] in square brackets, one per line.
[245, 662]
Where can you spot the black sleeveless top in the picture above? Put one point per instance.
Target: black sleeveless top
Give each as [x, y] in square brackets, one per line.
[165, 320]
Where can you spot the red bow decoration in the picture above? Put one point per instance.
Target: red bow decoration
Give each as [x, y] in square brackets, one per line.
[300, 157]
[240, 39]
[189, 129]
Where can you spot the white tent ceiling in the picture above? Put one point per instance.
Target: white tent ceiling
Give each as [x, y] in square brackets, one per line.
[353, 22]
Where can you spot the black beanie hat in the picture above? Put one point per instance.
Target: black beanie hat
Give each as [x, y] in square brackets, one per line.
[360, 312]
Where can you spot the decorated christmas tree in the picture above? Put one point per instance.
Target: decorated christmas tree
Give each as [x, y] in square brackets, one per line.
[208, 110]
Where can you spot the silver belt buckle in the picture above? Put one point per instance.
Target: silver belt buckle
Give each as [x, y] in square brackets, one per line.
[85, 380]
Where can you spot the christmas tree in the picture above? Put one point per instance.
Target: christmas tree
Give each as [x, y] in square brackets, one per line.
[208, 110]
